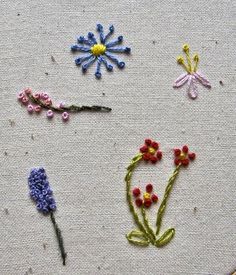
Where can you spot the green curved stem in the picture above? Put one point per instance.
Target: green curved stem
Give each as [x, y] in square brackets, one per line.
[162, 207]
[128, 176]
[151, 233]
[59, 238]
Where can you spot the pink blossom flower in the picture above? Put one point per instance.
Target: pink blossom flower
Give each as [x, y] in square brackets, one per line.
[30, 108]
[49, 114]
[44, 96]
[65, 116]
[25, 100]
[36, 95]
[20, 95]
[48, 102]
[27, 91]
[61, 105]
[37, 108]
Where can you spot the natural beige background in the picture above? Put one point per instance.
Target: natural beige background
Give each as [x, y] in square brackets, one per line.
[86, 158]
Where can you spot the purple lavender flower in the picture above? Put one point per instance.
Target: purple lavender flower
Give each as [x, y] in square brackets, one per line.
[40, 191]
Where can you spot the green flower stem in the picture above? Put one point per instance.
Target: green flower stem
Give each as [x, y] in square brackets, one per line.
[151, 234]
[128, 176]
[59, 238]
[71, 108]
[162, 207]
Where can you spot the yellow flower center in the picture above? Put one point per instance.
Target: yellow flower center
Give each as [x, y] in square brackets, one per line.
[182, 156]
[151, 150]
[146, 196]
[98, 49]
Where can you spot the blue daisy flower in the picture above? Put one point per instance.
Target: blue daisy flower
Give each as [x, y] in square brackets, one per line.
[99, 52]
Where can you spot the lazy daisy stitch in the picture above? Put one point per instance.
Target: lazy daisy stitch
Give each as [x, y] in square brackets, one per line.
[99, 51]
[145, 234]
[192, 75]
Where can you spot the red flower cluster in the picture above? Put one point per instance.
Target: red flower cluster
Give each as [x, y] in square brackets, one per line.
[150, 151]
[148, 197]
[183, 156]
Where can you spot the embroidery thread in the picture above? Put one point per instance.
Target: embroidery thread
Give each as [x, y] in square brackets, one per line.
[42, 194]
[38, 101]
[192, 75]
[99, 51]
[145, 234]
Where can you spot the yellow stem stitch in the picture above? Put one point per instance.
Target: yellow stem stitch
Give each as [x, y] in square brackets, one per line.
[190, 68]
[180, 61]
[186, 50]
[196, 60]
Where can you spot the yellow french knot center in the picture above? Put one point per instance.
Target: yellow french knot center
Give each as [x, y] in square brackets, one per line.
[182, 156]
[146, 196]
[151, 150]
[98, 49]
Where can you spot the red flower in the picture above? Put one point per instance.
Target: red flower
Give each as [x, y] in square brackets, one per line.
[148, 197]
[150, 151]
[183, 156]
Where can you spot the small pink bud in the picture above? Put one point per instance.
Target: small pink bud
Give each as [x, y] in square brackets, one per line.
[28, 91]
[61, 105]
[37, 108]
[48, 102]
[37, 95]
[21, 95]
[49, 114]
[30, 108]
[65, 116]
[25, 100]
[44, 96]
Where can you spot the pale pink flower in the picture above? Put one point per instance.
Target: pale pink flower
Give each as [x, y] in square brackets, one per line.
[192, 76]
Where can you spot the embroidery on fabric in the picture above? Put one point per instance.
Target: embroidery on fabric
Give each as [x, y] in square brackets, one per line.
[42, 194]
[145, 234]
[38, 101]
[192, 75]
[99, 51]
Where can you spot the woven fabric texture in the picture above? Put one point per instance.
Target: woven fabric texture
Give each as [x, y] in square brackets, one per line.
[85, 159]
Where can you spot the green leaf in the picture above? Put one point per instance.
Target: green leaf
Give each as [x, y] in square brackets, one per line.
[134, 161]
[138, 238]
[137, 157]
[165, 238]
